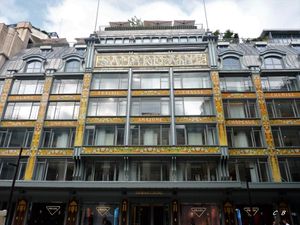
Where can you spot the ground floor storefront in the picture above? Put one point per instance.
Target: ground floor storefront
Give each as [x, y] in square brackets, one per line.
[153, 206]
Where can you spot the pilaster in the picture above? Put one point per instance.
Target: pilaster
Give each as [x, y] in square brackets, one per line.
[272, 158]
[37, 133]
[4, 95]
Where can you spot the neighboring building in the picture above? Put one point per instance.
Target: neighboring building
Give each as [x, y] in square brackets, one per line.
[152, 125]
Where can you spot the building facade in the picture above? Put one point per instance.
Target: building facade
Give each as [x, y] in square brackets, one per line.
[154, 125]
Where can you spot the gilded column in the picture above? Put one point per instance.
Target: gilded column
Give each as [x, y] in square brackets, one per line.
[5, 91]
[37, 133]
[273, 160]
[83, 109]
[219, 110]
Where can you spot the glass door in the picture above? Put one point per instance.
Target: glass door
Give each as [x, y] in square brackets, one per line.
[150, 214]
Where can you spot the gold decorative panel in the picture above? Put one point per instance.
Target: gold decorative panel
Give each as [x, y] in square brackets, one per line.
[21, 98]
[282, 95]
[243, 122]
[288, 152]
[151, 59]
[83, 109]
[193, 92]
[17, 123]
[13, 152]
[195, 119]
[58, 123]
[4, 94]
[107, 93]
[64, 97]
[267, 129]
[219, 108]
[248, 152]
[55, 152]
[151, 150]
[105, 120]
[285, 122]
[151, 93]
[238, 95]
[38, 128]
[150, 120]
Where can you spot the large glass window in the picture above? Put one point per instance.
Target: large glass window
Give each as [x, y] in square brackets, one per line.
[280, 83]
[104, 135]
[193, 170]
[273, 63]
[236, 84]
[286, 136]
[196, 134]
[290, 169]
[199, 214]
[109, 81]
[283, 108]
[27, 87]
[7, 170]
[150, 170]
[197, 106]
[240, 109]
[231, 63]
[244, 137]
[104, 213]
[34, 67]
[190, 80]
[67, 86]
[108, 170]
[150, 106]
[150, 81]
[58, 138]
[54, 169]
[249, 170]
[149, 134]
[21, 111]
[63, 111]
[72, 66]
[107, 107]
[11, 138]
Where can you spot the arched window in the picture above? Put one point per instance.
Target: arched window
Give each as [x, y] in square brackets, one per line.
[231, 63]
[34, 67]
[72, 66]
[273, 63]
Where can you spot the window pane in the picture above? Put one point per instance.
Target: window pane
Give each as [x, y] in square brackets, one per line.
[67, 86]
[72, 66]
[193, 106]
[231, 63]
[34, 67]
[192, 80]
[150, 81]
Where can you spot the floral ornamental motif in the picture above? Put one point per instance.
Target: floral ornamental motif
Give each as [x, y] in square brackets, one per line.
[193, 92]
[107, 93]
[151, 93]
[72, 97]
[243, 122]
[60, 123]
[4, 94]
[151, 150]
[151, 60]
[238, 95]
[248, 152]
[55, 152]
[13, 152]
[83, 109]
[282, 95]
[154, 120]
[293, 152]
[17, 124]
[290, 122]
[195, 119]
[219, 108]
[20, 98]
[106, 120]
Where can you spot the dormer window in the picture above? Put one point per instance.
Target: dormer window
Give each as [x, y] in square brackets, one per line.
[223, 45]
[34, 67]
[192, 39]
[273, 63]
[155, 40]
[163, 40]
[231, 63]
[118, 41]
[183, 39]
[72, 66]
[261, 45]
[138, 40]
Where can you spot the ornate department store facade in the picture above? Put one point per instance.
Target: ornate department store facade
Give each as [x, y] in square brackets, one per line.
[162, 124]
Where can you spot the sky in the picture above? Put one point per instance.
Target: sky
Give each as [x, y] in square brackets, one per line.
[76, 18]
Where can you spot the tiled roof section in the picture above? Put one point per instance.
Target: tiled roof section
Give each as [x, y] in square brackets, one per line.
[53, 57]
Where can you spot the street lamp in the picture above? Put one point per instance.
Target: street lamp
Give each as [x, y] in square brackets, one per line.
[12, 188]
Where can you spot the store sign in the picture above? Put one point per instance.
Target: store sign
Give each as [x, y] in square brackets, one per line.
[198, 211]
[248, 210]
[282, 213]
[53, 209]
[103, 210]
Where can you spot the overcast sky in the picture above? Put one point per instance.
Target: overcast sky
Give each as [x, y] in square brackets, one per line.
[76, 18]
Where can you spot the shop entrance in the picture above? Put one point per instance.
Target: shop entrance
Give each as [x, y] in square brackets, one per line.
[144, 214]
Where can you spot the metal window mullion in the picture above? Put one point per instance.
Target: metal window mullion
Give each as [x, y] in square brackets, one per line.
[281, 142]
[172, 111]
[287, 167]
[128, 108]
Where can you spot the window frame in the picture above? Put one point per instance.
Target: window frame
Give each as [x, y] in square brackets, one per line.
[58, 87]
[246, 106]
[230, 134]
[69, 65]
[231, 63]
[57, 110]
[100, 100]
[51, 133]
[34, 68]
[15, 109]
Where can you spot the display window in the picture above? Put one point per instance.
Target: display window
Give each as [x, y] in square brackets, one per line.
[100, 214]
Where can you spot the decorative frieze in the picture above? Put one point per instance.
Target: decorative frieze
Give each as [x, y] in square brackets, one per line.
[58, 123]
[25, 98]
[195, 119]
[55, 152]
[151, 150]
[151, 59]
[13, 152]
[271, 95]
[150, 93]
[17, 123]
[150, 120]
[234, 122]
[108, 93]
[285, 122]
[184, 92]
[246, 95]
[73, 97]
[105, 120]
[248, 152]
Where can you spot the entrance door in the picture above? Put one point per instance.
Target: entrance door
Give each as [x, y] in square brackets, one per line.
[150, 215]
